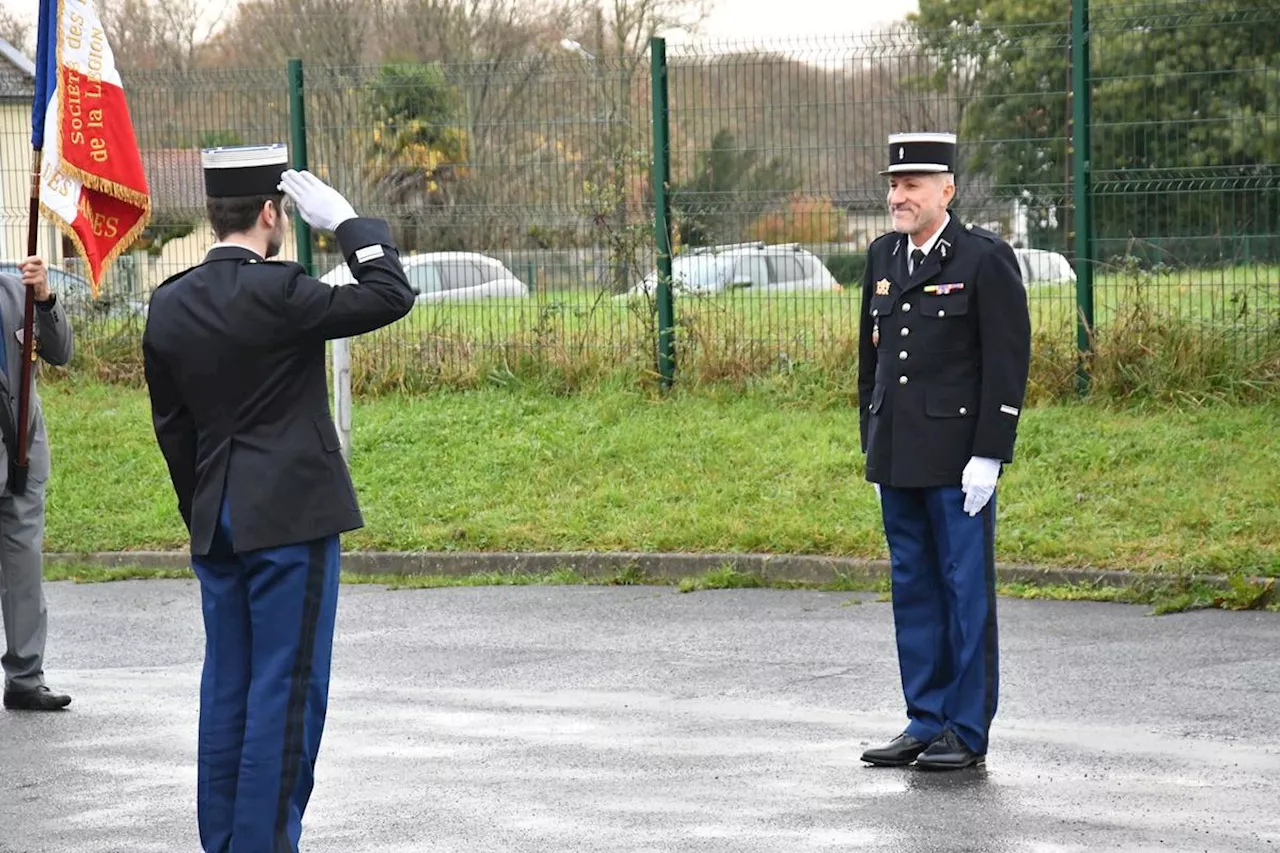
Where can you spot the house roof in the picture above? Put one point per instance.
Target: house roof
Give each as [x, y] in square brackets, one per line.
[17, 74]
[176, 180]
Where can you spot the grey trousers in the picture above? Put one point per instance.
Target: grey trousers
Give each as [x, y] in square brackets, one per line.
[22, 604]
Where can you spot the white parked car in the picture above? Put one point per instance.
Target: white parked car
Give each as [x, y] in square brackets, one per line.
[711, 269]
[439, 276]
[1043, 267]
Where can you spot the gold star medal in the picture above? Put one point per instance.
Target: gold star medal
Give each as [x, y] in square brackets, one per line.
[882, 287]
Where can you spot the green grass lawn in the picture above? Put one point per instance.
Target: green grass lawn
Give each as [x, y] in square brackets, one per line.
[1178, 489]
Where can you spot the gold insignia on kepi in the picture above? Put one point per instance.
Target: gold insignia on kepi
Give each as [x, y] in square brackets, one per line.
[882, 287]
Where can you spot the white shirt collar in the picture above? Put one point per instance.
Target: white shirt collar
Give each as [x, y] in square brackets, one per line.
[930, 243]
[224, 245]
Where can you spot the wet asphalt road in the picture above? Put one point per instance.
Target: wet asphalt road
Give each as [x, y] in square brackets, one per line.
[638, 719]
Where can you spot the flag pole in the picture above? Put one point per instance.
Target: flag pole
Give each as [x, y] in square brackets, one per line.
[18, 483]
[46, 47]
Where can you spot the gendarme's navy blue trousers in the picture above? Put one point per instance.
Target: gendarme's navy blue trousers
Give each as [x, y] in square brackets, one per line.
[269, 619]
[944, 611]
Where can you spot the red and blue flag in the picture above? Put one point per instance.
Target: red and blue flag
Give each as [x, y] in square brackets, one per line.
[92, 183]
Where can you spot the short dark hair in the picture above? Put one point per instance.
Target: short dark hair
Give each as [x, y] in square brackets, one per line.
[236, 214]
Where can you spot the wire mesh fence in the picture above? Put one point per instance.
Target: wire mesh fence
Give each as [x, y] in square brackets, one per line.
[1186, 145]
[518, 195]
[521, 196]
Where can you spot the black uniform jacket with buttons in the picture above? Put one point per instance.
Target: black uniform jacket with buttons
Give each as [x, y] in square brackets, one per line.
[943, 356]
[234, 352]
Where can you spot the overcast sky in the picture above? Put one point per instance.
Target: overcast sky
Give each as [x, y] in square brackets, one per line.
[762, 20]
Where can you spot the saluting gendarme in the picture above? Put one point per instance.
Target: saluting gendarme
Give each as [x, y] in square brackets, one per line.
[234, 351]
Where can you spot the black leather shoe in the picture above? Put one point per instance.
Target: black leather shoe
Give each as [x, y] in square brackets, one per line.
[949, 753]
[898, 752]
[40, 699]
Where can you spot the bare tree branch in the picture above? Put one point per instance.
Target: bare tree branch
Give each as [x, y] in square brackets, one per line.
[18, 32]
[159, 35]
[264, 33]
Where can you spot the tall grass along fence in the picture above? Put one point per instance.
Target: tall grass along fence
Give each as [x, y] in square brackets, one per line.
[1130, 153]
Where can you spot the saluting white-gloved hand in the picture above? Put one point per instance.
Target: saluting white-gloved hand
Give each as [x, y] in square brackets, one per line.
[318, 203]
[978, 482]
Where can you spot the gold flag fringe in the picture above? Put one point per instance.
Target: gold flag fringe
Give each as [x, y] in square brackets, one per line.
[102, 185]
[130, 237]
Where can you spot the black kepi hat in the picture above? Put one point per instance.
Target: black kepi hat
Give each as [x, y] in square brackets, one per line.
[921, 152]
[244, 170]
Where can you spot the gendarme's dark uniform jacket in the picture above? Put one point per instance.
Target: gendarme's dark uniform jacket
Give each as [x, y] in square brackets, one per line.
[943, 356]
[234, 351]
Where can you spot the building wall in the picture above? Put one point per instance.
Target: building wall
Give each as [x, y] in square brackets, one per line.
[15, 184]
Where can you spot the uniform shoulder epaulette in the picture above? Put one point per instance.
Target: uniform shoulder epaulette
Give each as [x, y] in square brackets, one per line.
[887, 237]
[174, 277]
[979, 231]
[271, 262]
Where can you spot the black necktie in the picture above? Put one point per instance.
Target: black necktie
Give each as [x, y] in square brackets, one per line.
[917, 258]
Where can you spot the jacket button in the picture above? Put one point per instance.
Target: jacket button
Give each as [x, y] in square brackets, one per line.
[941, 313]
[875, 312]
[906, 306]
[905, 331]
[963, 410]
[903, 355]
[902, 380]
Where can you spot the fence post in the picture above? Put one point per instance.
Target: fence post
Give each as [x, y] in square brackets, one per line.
[302, 232]
[298, 149]
[662, 209]
[1082, 189]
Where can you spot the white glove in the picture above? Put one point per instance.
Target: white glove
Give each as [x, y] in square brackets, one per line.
[319, 204]
[877, 485]
[978, 482]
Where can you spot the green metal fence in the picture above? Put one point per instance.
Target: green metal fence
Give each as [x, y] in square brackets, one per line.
[1186, 152]
[1156, 186]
